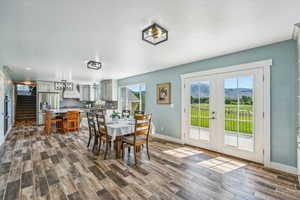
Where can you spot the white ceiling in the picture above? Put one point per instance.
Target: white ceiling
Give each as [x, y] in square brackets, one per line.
[55, 38]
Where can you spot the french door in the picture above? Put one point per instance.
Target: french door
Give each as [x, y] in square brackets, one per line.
[224, 113]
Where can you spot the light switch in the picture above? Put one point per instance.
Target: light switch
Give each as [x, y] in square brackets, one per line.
[172, 105]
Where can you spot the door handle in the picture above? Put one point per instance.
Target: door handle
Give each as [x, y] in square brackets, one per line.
[213, 115]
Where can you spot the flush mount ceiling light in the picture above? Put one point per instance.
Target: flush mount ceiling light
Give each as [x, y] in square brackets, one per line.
[155, 34]
[94, 65]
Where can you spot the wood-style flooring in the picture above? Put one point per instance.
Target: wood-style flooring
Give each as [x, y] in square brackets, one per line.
[35, 166]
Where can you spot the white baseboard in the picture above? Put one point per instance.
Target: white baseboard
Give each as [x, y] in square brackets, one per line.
[168, 138]
[4, 138]
[8, 132]
[283, 167]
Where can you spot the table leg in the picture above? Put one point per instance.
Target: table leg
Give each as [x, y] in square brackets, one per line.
[138, 149]
[118, 146]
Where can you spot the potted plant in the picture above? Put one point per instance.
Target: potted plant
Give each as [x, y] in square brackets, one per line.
[115, 115]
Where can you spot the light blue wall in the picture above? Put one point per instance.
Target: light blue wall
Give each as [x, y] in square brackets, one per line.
[283, 94]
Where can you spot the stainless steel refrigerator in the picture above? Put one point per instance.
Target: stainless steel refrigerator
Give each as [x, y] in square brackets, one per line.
[46, 101]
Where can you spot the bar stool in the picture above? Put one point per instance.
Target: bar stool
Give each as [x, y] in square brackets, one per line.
[71, 121]
[48, 123]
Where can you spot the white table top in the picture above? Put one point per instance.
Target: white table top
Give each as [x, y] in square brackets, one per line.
[120, 127]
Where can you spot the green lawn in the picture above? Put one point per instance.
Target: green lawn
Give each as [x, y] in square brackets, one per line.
[200, 117]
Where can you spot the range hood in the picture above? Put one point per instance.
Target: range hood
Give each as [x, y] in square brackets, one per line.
[72, 94]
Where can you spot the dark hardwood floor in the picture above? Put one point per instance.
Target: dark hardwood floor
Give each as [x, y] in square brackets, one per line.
[34, 166]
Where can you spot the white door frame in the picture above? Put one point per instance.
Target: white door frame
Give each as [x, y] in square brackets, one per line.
[2, 92]
[265, 65]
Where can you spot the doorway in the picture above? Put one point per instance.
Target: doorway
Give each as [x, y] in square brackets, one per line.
[224, 112]
[25, 105]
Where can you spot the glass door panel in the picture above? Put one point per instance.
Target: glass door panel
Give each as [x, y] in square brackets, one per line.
[199, 111]
[246, 133]
[204, 110]
[231, 110]
[238, 131]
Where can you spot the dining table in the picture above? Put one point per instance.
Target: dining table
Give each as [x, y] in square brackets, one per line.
[116, 128]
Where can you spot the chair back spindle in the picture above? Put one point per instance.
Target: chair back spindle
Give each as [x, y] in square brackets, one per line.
[102, 128]
[126, 113]
[91, 123]
[142, 125]
[138, 113]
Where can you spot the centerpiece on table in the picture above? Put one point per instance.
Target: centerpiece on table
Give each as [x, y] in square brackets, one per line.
[115, 115]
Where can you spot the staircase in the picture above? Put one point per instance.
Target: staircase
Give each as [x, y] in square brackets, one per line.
[26, 108]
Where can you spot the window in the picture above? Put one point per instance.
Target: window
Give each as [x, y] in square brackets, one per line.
[132, 97]
[25, 89]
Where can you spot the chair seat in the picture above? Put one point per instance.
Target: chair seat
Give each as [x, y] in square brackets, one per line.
[141, 139]
[104, 138]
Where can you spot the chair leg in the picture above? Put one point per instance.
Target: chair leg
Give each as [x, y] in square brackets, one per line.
[123, 150]
[90, 137]
[106, 150]
[100, 141]
[135, 154]
[95, 143]
[147, 145]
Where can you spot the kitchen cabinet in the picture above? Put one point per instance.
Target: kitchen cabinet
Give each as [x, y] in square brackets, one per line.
[98, 92]
[88, 93]
[109, 90]
[46, 86]
[84, 92]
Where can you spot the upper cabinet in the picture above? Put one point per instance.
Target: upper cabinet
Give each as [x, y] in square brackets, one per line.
[98, 92]
[85, 93]
[109, 90]
[89, 92]
[46, 86]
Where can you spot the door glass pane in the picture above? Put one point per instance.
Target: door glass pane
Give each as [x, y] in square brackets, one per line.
[246, 139]
[231, 109]
[199, 111]
[194, 112]
[204, 110]
[239, 113]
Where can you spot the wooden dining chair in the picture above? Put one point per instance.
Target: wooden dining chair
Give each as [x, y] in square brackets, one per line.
[92, 130]
[138, 112]
[125, 113]
[104, 137]
[72, 121]
[49, 120]
[140, 136]
[101, 111]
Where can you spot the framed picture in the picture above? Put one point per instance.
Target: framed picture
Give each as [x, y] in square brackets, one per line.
[163, 93]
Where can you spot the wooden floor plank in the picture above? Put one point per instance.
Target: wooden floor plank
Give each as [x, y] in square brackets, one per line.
[60, 167]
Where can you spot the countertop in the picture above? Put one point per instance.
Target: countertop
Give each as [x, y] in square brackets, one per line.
[64, 110]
